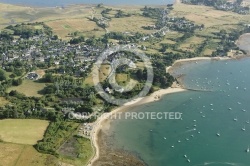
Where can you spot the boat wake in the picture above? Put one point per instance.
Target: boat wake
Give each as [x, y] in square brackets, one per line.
[194, 129]
[220, 163]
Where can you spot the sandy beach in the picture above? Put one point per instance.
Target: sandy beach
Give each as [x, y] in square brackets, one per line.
[177, 62]
[103, 121]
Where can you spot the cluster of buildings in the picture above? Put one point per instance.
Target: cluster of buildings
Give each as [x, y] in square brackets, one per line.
[32, 76]
[182, 24]
[85, 130]
[42, 49]
[235, 6]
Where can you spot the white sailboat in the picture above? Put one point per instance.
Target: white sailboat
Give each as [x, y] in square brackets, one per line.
[248, 150]
[236, 119]
[243, 129]
[218, 134]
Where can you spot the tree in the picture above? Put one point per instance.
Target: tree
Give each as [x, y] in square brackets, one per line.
[48, 77]
[77, 40]
[2, 75]
[17, 82]
[55, 37]
[239, 2]
[13, 93]
[100, 5]
[139, 74]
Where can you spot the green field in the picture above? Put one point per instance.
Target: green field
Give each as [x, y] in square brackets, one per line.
[122, 79]
[207, 15]
[131, 24]
[21, 131]
[191, 43]
[29, 88]
[103, 74]
[63, 27]
[18, 136]
[23, 155]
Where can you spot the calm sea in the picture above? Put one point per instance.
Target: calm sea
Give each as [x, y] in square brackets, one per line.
[223, 108]
[53, 3]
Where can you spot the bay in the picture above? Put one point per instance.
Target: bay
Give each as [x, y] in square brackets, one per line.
[223, 96]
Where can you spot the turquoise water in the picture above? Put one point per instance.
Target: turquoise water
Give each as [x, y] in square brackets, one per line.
[52, 3]
[205, 113]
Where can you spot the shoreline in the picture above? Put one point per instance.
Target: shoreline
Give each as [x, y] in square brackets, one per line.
[148, 99]
[100, 121]
[188, 60]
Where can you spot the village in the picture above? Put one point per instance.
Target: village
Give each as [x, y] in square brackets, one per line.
[238, 6]
[42, 51]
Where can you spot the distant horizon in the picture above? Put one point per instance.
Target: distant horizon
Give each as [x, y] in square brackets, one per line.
[54, 3]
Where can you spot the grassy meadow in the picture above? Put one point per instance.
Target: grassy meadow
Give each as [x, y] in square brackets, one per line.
[17, 136]
[29, 88]
[21, 131]
[131, 24]
[20, 155]
[64, 27]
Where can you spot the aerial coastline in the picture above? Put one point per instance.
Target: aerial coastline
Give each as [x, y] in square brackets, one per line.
[70, 37]
[103, 123]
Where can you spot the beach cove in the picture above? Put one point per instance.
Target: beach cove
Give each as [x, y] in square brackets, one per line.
[207, 106]
[106, 125]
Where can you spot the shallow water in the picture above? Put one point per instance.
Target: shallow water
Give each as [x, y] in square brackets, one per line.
[227, 85]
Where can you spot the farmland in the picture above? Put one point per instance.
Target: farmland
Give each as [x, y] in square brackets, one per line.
[19, 155]
[188, 31]
[22, 131]
[66, 26]
[130, 24]
[18, 136]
